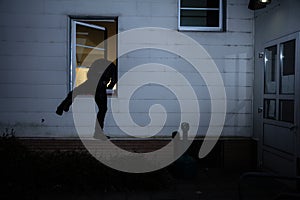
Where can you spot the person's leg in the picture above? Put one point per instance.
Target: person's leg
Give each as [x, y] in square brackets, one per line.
[101, 101]
[67, 102]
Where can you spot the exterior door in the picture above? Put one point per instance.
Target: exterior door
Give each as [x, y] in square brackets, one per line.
[280, 138]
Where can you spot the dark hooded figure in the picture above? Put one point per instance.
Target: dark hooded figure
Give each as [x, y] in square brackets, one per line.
[102, 75]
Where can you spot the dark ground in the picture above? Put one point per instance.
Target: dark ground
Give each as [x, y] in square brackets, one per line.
[209, 184]
[64, 175]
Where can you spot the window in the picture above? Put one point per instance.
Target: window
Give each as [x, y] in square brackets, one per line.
[200, 15]
[88, 44]
[287, 67]
[270, 69]
[270, 109]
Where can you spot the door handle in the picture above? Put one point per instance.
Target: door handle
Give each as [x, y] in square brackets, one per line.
[260, 109]
[293, 127]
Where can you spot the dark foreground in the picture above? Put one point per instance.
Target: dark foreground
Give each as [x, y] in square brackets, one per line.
[43, 175]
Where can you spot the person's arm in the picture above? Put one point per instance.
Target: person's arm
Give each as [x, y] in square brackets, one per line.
[113, 76]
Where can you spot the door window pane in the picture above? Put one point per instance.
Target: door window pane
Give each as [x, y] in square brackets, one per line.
[286, 111]
[287, 67]
[270, 109]
[270, 70]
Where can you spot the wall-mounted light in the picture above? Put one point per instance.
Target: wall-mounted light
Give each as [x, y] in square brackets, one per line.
[258, 4]
[265, 1]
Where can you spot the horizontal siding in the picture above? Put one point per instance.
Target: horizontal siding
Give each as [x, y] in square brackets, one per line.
[32, 91]
[229, 79]
[224, 51]
[229, 38]
[30, 77]
[32, 20]
[240, 26]
[33, 34]
[238, 11]
[130, 22]
[232, 64]
[35, 63]
[34, 51]
[40, 105]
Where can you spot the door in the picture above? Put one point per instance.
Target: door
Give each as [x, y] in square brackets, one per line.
[280, 137]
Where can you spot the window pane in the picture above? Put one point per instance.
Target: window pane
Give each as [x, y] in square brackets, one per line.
[89, 47]
[206, 18]
[200, 3]
[270, 108]
[88, 39]
[270, 70]
[287, 111]
[287, 67]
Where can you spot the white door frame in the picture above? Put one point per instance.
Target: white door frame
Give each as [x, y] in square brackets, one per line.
[295, 154]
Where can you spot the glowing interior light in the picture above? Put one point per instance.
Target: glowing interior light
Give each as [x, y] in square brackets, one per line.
[265, 1]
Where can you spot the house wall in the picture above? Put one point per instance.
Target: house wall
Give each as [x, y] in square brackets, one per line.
[35, 65]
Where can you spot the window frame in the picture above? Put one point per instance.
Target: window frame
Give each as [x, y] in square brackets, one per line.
[220, 28]
[73, 20]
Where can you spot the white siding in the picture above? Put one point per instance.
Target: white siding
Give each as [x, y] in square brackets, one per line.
[34, 50]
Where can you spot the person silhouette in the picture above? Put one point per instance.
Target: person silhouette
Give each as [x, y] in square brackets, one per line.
[102, 75]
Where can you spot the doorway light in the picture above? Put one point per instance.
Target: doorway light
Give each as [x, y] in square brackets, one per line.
[265, 1]
[258, 4]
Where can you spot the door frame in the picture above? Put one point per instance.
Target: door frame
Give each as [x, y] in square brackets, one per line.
[296, 151]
